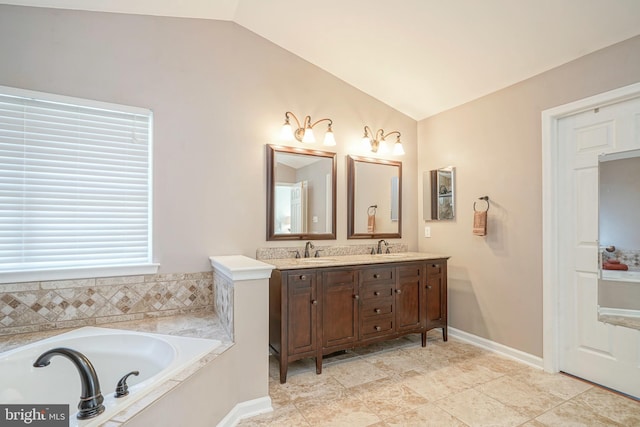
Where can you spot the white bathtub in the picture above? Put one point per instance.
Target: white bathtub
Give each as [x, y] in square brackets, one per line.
[112, 352]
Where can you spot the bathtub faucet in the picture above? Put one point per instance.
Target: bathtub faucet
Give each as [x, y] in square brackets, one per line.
[91, 398]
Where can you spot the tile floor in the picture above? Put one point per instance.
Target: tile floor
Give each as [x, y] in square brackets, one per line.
[399, 383]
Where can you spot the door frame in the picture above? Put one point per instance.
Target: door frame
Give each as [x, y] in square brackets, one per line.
[551, 293]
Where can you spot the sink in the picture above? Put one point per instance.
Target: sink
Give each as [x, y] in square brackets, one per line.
[395, 255]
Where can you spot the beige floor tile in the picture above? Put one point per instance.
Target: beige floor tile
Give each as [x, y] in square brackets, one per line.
[575, 415]
[559, 385]
[621, 409]
[398, 362]
[387, 398]
[439, 384]
[477, 409]
[523, 397]
[348, 411]
[284, 416]
[355, 372]
[308, 386]
[428, 415]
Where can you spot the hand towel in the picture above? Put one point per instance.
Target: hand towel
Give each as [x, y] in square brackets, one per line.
[371, 224]
[480, 223]
[608, 266]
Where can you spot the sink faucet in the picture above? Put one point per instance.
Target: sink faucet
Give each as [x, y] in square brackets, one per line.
[308, 246]
[91, 398]
[380, 242]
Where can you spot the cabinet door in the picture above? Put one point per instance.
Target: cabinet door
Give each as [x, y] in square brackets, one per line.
[436, 288]
[409, 297]
[302, 312]
[339, 307]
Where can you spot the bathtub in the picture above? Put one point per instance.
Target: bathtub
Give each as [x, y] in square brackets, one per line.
[112, 352]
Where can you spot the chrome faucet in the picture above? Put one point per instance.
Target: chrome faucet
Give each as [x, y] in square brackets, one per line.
[91, 397]
[308, 246]
[380, 242]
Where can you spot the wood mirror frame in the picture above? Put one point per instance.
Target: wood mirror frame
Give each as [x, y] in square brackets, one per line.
[330, 217]
[390, 202]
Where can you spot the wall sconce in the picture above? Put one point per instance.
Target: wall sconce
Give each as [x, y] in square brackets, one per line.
[304, 133]
[376, 142]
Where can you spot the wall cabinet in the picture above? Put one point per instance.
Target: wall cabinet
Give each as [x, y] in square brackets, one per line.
[317, 311]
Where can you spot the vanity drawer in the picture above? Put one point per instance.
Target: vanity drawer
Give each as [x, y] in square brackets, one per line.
[376, 326]
[378, 275]
[300, 276]
[377, 291]
[377, 308]
[434, 268]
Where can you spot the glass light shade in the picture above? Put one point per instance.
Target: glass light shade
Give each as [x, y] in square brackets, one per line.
[308, 136]
[366, 143]
[329, 138]
[286, 134]
[398, 150]
[383, 148]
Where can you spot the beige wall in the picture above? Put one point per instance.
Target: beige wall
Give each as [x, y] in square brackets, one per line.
[219, 94]
[495, 282]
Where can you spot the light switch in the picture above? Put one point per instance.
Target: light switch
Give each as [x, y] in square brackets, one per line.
[427, 231]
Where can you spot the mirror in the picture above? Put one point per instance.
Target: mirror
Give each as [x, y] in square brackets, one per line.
[301, 194]
[618, 232]
[374, 198]
[438, 194]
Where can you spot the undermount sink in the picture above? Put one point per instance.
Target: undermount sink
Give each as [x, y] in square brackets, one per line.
[395, 255]
[316, 260]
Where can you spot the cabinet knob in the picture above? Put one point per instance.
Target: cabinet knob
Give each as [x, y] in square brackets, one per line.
[398, 291]
[429, 287]
[303, 277]
[376, 293]
[377, 328]
[356, 297]
[376, 276]
[314, 301]
[434, 265]
[377, 310]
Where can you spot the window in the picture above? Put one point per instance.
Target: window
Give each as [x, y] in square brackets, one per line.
[75, 188]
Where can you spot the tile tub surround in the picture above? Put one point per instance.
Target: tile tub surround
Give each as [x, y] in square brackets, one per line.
[39, 306]
[399, 383]
[265, 254]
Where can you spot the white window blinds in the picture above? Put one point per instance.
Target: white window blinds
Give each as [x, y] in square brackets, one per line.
[75, 183]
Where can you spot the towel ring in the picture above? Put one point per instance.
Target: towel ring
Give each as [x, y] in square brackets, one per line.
[372, 210]
[486, 199]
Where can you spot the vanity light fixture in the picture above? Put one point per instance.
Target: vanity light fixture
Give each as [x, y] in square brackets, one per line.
[377, 143]
[304, 132]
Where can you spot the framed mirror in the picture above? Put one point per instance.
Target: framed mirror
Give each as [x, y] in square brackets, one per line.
[301, 194]
[618, 232]
[439, 194]
[374, 198]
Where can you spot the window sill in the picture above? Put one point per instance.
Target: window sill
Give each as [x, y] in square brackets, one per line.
[77, 273]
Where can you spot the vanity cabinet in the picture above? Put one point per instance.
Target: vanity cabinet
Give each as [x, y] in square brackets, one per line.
[318, 311]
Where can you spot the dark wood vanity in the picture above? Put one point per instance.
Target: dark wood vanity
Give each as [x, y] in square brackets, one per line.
[316, 309]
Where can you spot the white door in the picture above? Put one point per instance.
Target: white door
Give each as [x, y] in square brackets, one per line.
[299, 207]
[602, 353]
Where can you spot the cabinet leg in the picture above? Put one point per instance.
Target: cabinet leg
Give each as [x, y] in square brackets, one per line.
[283, 371]
[424, 339]
[444, 334]
[319, 364]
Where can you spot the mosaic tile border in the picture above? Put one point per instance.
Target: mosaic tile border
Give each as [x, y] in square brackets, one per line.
[338, 250]
[223, 291]
[41, 306]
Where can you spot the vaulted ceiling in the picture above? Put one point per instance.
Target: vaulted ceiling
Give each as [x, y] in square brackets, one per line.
[420, 57]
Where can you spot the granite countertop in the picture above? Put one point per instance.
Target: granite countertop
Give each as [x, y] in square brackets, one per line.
[346, 260]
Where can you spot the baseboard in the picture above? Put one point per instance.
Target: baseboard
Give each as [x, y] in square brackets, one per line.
[623, 312]
[512, 353]
[247, 409]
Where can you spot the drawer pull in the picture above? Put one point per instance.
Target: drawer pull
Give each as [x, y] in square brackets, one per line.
[377, 310]
[356, 297]
[303, 277]
[378, 328]
[429, 287]
[376, 293]
[314, 301]
[398, 291]
[376, 276]
[434, 265]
